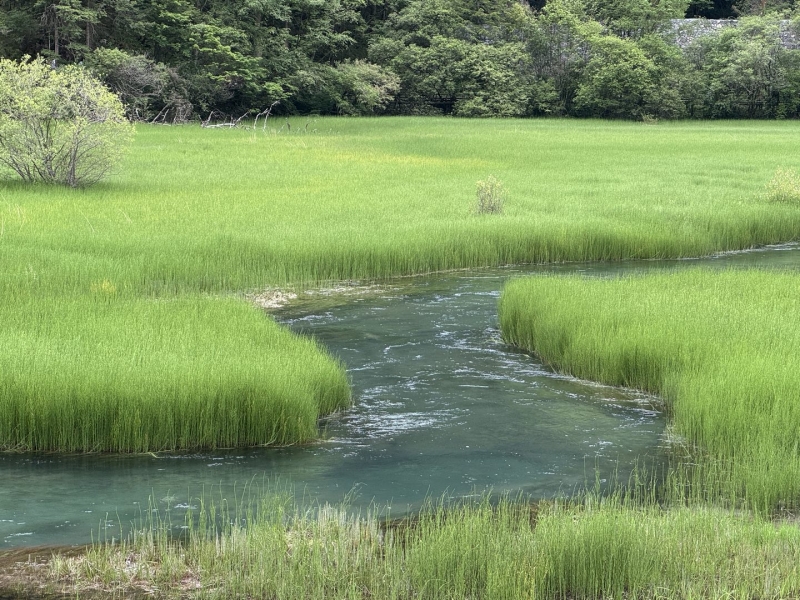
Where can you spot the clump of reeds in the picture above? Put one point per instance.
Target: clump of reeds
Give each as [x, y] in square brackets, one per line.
[103, 372]
[587, 547]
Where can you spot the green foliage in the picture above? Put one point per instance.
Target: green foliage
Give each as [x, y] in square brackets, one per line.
[460, 57]
[143, 86]
[58, 125]
[18, 28]
[365, 88]
[350, 88]
[635, 18]
[620, 81]
[746, 73]
[496, 82]
[451, 57]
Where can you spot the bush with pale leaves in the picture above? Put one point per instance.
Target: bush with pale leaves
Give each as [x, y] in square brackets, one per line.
[59, 125]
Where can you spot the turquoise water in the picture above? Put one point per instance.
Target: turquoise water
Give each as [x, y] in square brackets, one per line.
[442, 406]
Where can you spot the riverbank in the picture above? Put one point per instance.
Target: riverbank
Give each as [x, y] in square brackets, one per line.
[591, 548]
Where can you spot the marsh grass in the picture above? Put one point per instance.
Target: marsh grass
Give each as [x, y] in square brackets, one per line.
[585, 547]
[198, 212]
[103, 372]
[719, 347]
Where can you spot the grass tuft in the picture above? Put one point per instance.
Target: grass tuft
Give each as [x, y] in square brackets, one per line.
[490, 196]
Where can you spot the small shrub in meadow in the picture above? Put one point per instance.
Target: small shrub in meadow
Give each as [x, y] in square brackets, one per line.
[490, 196]
[59, 125]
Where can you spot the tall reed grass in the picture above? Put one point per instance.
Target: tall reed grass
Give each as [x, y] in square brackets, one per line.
[719, 347]
[198, 211]
[133, 375]
[213, 210]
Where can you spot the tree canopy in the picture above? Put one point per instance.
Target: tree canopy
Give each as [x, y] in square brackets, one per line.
[176, 59]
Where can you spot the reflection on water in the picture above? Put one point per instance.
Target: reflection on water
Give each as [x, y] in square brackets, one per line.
[441, 406]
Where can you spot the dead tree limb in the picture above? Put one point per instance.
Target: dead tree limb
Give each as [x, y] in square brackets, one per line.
[236, 122]
[211, 115]
[162, 113]
[265, 113]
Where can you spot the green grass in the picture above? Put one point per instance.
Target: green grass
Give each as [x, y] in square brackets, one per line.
[211, 212]
[136, 375]
[719, 347]
[589, 548]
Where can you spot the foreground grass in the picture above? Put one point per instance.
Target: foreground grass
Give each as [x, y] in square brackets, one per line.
[199, 212]
[719, 347]
[580, 549]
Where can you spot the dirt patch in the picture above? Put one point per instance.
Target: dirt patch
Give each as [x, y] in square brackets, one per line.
[275, 299]
[24, 572]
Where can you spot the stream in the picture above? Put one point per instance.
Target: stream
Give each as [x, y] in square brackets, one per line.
[441, 407]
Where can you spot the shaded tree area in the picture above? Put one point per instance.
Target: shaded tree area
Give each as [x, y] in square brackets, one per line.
[179, 59]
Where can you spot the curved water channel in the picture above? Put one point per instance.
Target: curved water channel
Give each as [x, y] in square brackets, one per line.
[442, 406]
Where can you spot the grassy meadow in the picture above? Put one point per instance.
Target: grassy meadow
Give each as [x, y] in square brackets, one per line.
[124, 326]
[127, 297]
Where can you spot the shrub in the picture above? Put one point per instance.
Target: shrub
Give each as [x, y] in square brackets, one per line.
[784, 187]
[491, 196]
[59, 125]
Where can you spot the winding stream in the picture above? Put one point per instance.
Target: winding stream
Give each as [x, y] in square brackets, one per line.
[442, 406]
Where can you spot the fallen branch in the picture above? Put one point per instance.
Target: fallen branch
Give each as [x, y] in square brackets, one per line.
[229, 124]
[211, 115]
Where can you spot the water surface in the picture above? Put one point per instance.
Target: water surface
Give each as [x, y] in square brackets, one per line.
[442, 406]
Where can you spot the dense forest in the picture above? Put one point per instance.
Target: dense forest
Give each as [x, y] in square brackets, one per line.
[174, 60]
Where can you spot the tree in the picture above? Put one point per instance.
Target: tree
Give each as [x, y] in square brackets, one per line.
[58, 125]
[635, 18]
[143, 86]
[463, 57]
[746, 71]
[621, 82]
